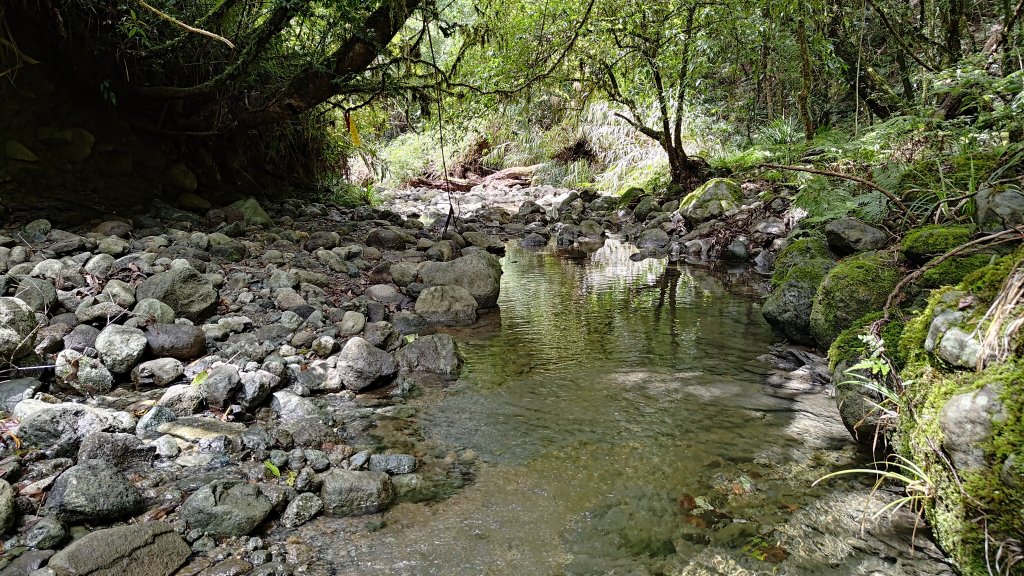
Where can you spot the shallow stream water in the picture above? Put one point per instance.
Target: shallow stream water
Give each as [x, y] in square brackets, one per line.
[621, 423]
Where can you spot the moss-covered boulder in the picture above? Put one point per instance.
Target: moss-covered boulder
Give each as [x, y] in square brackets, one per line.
[716, 197]
[865, 412]
[924, 243]
[799, 270]
[952, 271]
[967, 436]
[964, 428]
[856, 287]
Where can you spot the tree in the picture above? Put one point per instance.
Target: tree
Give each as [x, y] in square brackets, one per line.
[213, 66]
[642, 54]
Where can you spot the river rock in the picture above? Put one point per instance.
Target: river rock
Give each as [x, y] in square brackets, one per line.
[159, 372]
[351, 324]
[143, 549]
[47, 532]
[302, 509]
[849, 235]
[479, 273]
[435, 353]
[194, 428]
[220, 385]
[17, 324]
[389, 238]
[40, 295]
[393, 463]
[6, 506]
[81, 338]
[92, 491]
[226, 508]
[151, 311]
[1000, 208]
[966, 422]
[122, 451]
[14, 391]
[711, 200]
[653, 238]
[176, 341]
[120, 347]
[354, 493]
[82, 373]
[361, 365]
[184, 289]
[251, 212]
[447, 305]
[62, 427]
[222, 246]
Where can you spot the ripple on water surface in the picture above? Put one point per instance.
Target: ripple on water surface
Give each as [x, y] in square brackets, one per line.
[623, 427]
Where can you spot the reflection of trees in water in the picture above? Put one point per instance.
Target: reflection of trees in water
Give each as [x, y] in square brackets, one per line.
[571, 315]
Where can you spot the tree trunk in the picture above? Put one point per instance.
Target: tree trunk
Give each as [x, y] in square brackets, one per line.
[803, 98]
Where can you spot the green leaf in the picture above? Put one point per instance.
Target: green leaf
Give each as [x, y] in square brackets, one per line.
[200, 378]
[271, 468]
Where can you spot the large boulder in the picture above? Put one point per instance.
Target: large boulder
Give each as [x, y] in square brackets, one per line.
[435, 354]
[849, 235]
[479, 273]
[144, 549]
[184, 289]
[251, 212]
[856, 287]
[120, 347]
[924, 243]
[17, 324]
[92, 491]
[447, 305]
[1000, 208]
[60, 428]
[226, 508]
[799, 270]
[361, 365]
[712, 200]
[354, 493]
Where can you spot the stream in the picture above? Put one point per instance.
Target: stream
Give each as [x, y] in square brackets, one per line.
[621, 422]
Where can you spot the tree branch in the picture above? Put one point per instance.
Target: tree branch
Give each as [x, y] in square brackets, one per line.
[184, 26]
[892, 197]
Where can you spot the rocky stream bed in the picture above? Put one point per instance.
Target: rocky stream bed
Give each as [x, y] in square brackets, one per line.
[240, 390]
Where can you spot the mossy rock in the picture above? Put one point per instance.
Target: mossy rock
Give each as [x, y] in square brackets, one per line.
[788, 306]
[969, 503]
[712, 200]
[953, 270]
[857, 404]
[926, 242]
[631, 197]
[797, 252]
[856, 287]
[986, 282]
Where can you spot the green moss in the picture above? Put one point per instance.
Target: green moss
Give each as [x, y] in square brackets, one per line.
[952, 271]
[955, 513]
[849, 347]
[911, 342]
[926, 242]
[856, 287]
[723, 190]
[985, 282]
[800, 252]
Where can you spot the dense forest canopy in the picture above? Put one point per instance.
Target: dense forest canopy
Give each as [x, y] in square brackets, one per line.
[692, 76]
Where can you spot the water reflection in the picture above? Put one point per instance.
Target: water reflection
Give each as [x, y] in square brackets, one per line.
[622, 426]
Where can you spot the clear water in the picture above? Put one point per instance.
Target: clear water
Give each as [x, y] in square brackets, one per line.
[622, 424]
